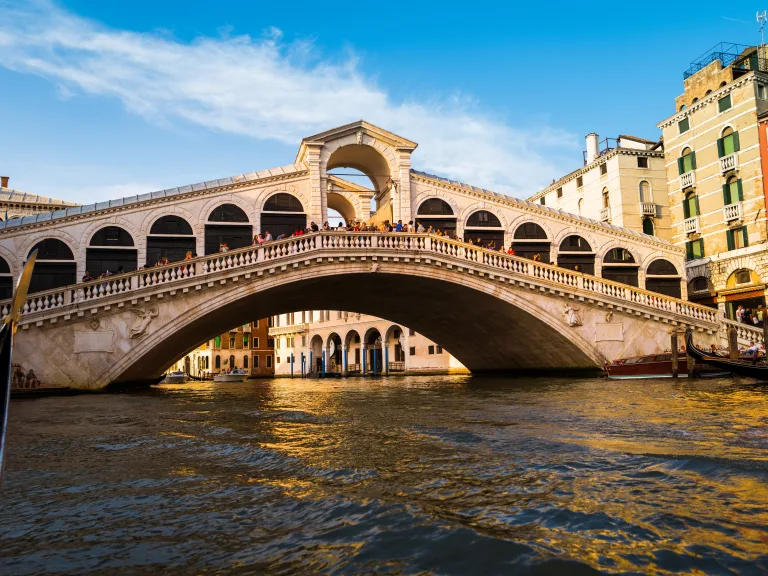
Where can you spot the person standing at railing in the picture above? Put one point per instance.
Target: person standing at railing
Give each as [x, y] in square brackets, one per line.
[740, 313]
[267, 236]
[326, 227]
[87, 277]
[399, 226]
[258, 240]
[313, 227]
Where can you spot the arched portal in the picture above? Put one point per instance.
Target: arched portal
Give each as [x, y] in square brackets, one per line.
[394, 349]
[227, 224]
[662, 277]
[484, 228]
[111, 250]
[55, 265]
[744, 288]
[369, 161]
[170, 237]
[316, 348]
[438, 214]
[343, 206]
[619, 265]
[531, 241]
[373, 356]
[333, 353]
[6, 280]
[576, 254]
[282, 215]
[353, 343]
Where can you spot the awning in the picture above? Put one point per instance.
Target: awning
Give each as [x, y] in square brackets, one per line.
[754, 291]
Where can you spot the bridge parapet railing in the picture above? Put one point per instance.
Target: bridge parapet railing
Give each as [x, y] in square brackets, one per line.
[363, 242]
[745, 334]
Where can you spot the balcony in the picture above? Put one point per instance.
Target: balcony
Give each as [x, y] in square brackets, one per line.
[691, 225]
[292, 329]
[730, 162]
[732, 212]
[648, 208]
[687, 180]
[605, 214]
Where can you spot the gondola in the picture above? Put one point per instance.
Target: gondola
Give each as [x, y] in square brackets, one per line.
[759, 371]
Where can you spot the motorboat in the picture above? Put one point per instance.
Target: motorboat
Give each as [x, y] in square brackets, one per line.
[237, 375]
[658, 366]
[176, 377]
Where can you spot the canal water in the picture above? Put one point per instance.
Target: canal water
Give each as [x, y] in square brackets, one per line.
[417, 475]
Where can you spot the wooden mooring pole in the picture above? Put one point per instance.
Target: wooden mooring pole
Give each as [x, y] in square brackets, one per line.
[675, 359]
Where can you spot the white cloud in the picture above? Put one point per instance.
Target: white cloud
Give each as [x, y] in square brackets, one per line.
[269, 90]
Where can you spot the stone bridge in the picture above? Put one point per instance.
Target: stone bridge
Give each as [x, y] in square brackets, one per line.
[494, 312]
[491, 311]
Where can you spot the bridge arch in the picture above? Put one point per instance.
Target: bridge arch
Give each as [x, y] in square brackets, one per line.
[364, 153]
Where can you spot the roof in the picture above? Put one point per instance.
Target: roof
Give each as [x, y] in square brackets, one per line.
[11, 195]
[637, 139]
[73, 209]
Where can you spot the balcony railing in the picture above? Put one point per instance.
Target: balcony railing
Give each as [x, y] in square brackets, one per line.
[691, 225]
[730, 162]
[649, 209]
[290, 329]
[605, 214]
[732, 212]
[687, 180]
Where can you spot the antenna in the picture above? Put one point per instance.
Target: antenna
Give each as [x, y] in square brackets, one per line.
[761, 18]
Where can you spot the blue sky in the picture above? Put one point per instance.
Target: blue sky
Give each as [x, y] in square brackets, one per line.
[108, 99]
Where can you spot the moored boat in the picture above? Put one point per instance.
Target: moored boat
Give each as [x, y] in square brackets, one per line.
[750, 368]
[236, 375]
[176, 377]
[657, 366]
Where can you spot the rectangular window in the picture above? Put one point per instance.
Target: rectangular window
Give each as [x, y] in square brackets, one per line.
[684, 125]
[762, 91]
[737, 238]
[579, 182]
[642, 162]
[269, 361]
[255, 360]
[412, 350]
[246, 341]
[270, 342]
[277, 360]
[559, 192]
[231, 340]
[431, 349]
[604, 168]
[694, 250]
[256, 324]
[439, 350]
[724, 103]
[255, 343]
[271, 321]
[303, 340]
[542, 201]
[217, 342]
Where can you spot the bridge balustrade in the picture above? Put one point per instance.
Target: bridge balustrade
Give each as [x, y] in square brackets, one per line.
[363, 241]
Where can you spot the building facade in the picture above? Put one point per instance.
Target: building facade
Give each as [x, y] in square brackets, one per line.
[346, 343]
[715, 150]
[623, 182]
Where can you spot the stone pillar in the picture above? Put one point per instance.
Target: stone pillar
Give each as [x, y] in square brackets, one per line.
[401, 208]
[344, 361]
[317, 198]
[362, 359]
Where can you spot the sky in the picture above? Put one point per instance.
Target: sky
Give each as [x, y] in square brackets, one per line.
[100, 100]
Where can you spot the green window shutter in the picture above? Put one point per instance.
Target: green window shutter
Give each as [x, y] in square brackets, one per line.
[720, 148]
[735, 141]
[686, 209]
[744, 236]
[726, 195]
[679, 165]
[684, 125]
[696, 203]
[688, 251]
[701, 248]
[729, 239]
[693, 160]
[740, 190]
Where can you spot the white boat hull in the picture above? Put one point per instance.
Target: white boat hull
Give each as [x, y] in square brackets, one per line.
[175, 379]
[230, 378]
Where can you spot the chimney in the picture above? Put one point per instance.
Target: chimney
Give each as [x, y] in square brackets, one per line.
[4, 181]
[592, 144]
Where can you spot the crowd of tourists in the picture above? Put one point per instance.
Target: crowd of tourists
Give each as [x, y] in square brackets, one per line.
[23, 381]
[753, 316]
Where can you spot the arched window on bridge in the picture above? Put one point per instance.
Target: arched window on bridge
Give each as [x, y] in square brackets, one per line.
[55, 265]
[111, 249]
[283, 213]
[437, 213]
[227, 224]
[6, 280]
[484, 227]
[576, 254]
[170, 237]
[662, 277]
[619, 265]
[531, 241]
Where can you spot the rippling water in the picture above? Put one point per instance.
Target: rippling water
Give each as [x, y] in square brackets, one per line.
[420, 475]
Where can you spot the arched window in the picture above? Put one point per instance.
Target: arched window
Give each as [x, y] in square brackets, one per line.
[732, 191]
[645, 191]
[170, 237]
[435, 207]
[55, 266]
[530, 231]
[282, 215]
[531, 241]
[606, 198]
[682, 107]
[619, 265]
[648, 226]
[576, 254]
[662, 277]
[283, 202]
[690, 205]
[687, 161]
[227, 225]
[728, 143]
[228, 213]
[232, 362]
[723, 83]
[695, 100]
[6, 280]
[477, 229]
[217, 363]
[619, 256]
[708, 93]
[245, 361]
[111, 250]
[437, 213]
[580, 204]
